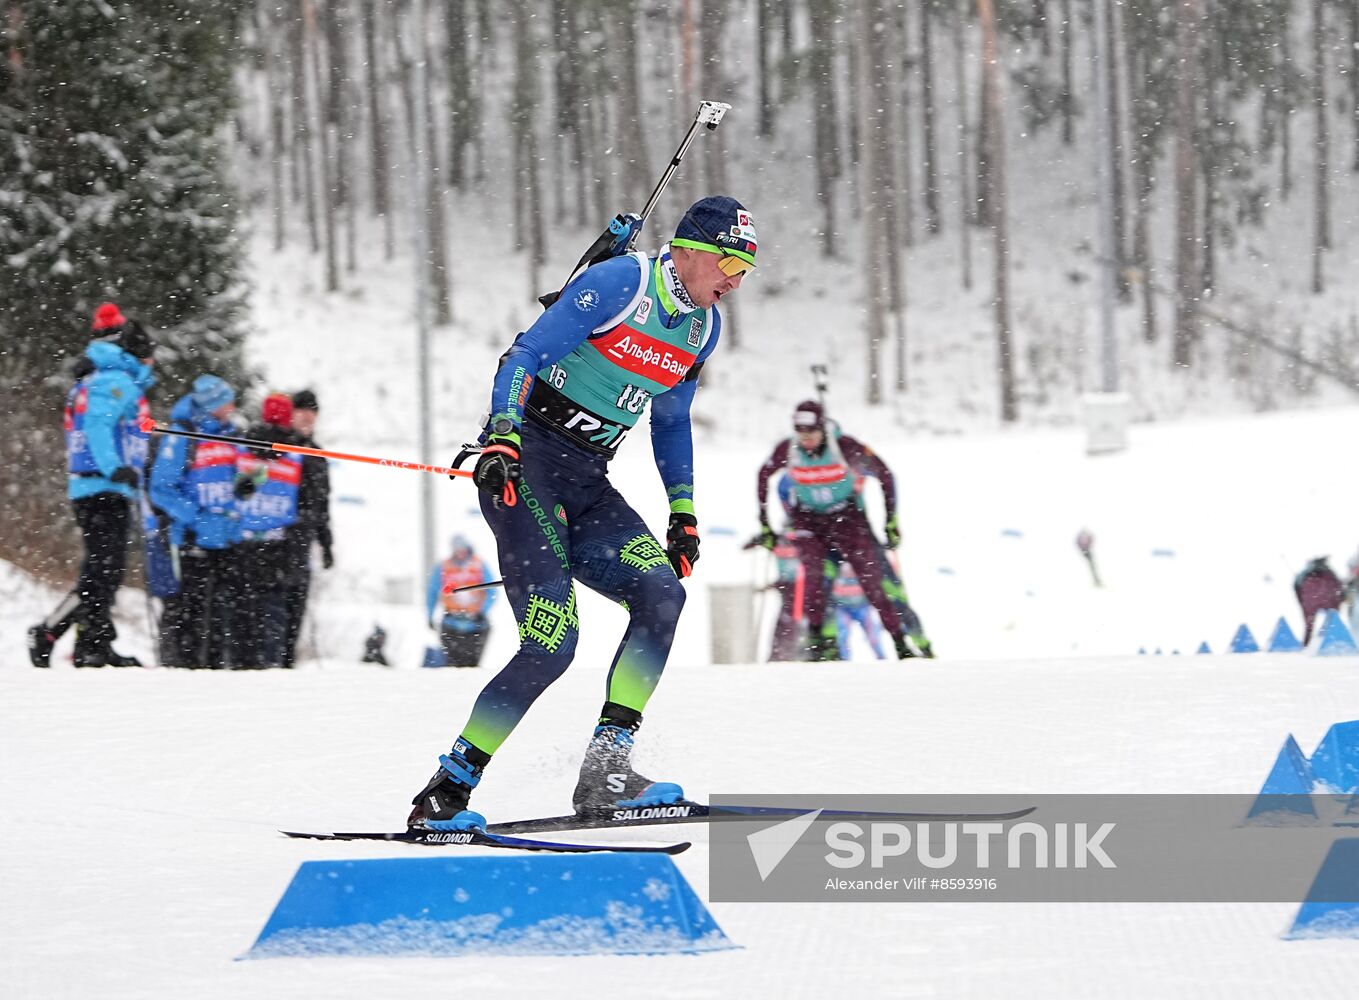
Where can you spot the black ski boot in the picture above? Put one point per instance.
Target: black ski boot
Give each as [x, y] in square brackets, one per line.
[442, 804]
[823, 647]
[904, 650]
[607, 780]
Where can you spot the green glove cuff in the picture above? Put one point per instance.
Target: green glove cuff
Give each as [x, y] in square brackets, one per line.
[683, 507]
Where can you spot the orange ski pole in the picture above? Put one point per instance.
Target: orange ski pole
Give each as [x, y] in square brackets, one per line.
[149, 426]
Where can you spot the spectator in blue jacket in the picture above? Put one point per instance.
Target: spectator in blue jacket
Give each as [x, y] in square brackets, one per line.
[191, 484]
[106, 454]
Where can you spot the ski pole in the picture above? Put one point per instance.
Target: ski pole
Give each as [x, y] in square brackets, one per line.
[149, 426]
[476, 586]
[622, 232]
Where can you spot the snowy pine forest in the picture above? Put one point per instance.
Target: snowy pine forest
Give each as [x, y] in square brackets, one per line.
[925, 176]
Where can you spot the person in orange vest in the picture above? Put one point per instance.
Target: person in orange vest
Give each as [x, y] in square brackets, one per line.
[462, 623]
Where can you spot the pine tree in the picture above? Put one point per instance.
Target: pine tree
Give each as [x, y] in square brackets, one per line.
[115, 183]
[114, 189]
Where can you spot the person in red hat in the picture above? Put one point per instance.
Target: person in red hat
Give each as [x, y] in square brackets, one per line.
[266, 490]
[827, 469]
[106, 453]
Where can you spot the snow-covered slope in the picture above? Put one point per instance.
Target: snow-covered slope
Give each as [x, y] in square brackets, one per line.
[139, 856]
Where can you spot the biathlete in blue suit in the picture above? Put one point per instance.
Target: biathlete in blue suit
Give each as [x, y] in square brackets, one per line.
[627, 332]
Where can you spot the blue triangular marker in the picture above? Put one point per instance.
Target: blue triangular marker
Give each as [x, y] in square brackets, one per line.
[1282, 639]
[1329, 910]
[1334, 638]
[1243, 641]
[1203, 647]
[1288, 788]
[1335, 761]
[1141, 650]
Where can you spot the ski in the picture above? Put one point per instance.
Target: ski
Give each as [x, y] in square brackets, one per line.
[481, 838]
[698, 812]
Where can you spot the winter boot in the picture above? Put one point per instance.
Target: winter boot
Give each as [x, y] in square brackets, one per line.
[41, 639]
[607, 779]
[44, 635]
[88, 654]
[924, 645]
[904, 651]
[442, 804]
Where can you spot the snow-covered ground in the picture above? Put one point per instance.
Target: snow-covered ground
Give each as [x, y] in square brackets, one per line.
[140, 856]
[138, 853]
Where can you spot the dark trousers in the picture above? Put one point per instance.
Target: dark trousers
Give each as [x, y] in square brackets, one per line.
[569, 525]
[103, 528]
[848, 534]
[196, 628]
[260, 629]
[464, 648]
[295, 603]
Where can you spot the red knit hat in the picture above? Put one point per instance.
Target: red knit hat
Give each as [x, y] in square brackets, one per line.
[106, 316]
[277, 409]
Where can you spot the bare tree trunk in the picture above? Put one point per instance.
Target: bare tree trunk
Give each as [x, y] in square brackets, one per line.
[335, 22]
[906, 203]
[1143, 157]
[1117, 152]
[820, 66]
[965, 203]
[894, 212]
[1286, 119]
[933, 219]
[688, 85]
[440, 280]
[325, 189]
[274, 85]
[1208, 157]
[377, 126]
[427, 205]
[872, 111]
[764, 16]
[523, 127]
[1320, 148]
[1188, 266]
[302, 131]
[459, 60]
[631, 122]
[1352, 10]
[1009, 406]
[983, 209]
[1068, 96]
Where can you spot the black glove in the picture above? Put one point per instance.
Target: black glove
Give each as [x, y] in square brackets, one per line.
[327, 558]
[498, 468]
[766, 537]
[126, 475]
[244, 489]
[681, 543]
